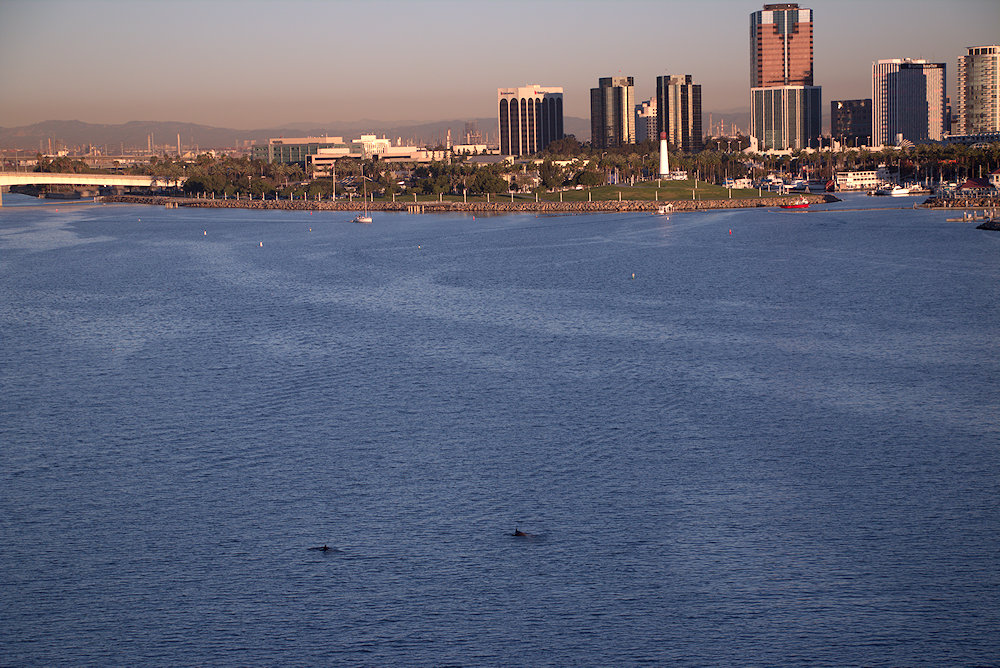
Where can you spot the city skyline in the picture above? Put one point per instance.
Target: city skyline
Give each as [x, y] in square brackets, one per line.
[258, 64]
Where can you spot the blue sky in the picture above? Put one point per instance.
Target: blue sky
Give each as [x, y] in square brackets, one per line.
[255, 63]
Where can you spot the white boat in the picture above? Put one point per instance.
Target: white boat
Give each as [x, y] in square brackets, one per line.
[363, 217]
[893, 191]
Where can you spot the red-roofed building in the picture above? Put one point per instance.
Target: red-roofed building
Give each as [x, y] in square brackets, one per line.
[977, 186]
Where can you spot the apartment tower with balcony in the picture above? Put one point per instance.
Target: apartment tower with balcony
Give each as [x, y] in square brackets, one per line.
[979, 91]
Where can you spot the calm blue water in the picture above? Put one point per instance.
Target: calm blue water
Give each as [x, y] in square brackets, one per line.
[775, 446]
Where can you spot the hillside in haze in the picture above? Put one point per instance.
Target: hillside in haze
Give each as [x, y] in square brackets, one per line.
[135, 134]
[110, 139]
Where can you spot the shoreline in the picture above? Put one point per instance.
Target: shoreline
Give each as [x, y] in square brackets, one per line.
[470, 207]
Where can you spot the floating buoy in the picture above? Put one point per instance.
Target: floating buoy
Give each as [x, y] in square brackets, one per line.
[730, 231]
[204, 233]
[633, 275]
[261, 244]
[418, 247]
[310, 229]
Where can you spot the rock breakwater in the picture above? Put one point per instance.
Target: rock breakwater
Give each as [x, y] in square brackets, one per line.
[470, 207]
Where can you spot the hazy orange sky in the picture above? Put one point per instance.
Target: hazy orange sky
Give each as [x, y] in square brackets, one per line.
[262, 64]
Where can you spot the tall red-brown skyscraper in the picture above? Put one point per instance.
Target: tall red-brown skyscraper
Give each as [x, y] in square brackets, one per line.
[785, 106]
[781, 46]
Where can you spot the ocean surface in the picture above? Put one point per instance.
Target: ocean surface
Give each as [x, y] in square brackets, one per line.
[743, 438]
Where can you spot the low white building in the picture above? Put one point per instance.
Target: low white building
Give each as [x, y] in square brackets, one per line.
[368, 147]
[739, 184]
[862, 180]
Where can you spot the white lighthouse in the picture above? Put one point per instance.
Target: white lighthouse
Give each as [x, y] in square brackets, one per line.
[664, 158]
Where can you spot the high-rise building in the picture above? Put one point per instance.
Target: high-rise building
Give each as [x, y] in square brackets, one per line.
[851, 121]
[678, 111]
[908, 101]
[979, 90]
[611, 121]
[786, 108]
[786, 117]
[781, 46]
[645, 121]
[530, 118]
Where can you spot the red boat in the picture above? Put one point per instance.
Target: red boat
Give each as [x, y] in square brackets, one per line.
[800, 203]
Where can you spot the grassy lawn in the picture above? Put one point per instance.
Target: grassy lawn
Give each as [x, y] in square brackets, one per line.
[648, 190]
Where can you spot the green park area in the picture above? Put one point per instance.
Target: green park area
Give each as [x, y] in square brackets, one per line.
[664, 191]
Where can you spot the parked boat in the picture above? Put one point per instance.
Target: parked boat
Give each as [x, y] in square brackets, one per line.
[893, 191]
[363, 217]
[799, 203]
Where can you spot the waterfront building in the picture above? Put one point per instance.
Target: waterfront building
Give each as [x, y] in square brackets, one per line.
[612, 123]
[851, 121]
[908, 101]
[529, 118]
[645, 121]
[871, 179]
[678, 111]
[367, 147]
[785, 107]
[295, 149]
[979, 91]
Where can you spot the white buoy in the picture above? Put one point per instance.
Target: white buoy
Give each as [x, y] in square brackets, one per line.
[204, 233]
[261, 244]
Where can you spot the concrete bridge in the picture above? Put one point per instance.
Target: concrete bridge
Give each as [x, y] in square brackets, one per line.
[120, 180]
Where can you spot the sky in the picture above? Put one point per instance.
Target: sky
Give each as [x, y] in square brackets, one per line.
[253, 64]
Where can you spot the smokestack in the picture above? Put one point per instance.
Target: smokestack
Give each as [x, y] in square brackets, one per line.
[664, 158]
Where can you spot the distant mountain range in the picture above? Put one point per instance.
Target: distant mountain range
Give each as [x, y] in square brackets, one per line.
[111, 139]
[136, 134]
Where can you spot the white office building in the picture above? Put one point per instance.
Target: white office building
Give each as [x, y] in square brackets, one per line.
[529, 117]
[908, 101]
[645, 121]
